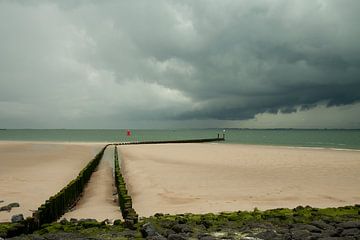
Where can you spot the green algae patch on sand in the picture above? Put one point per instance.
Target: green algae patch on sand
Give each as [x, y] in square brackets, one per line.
[4, 228]
[340, 211]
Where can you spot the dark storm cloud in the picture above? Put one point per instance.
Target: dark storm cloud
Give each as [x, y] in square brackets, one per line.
[278, 59]
[112, 61]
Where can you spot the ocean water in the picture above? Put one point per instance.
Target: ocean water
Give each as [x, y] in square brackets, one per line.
[341, 139]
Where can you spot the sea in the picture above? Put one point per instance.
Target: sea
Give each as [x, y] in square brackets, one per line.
[324, 138]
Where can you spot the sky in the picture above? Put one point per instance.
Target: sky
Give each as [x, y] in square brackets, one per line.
[180, 64]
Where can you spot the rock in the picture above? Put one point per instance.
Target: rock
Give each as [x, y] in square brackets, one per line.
[177, 228]
[186, 229]
[176, 237]
[168, 232]
[300, 234]
[181, 228]
[17, 218]
[322, 225]
[268, 234]
[15, 204]
[130, 234]
[167, 224]
[309, 228]
[338, 231]
[330, 233]
[65, 235]
[73, 220]
[330, 238]
[182, 221]
[87, 220]
[282, 230]
[130, 223]
[34, 237]
[9, 207]
[106, 222]
[350, 224]
[350, 232]
[206, 223]
[5, 208]
[315, 236]
[156, 237]
[64, 221]
[148, 230]
[1, 201]
[207, 238]
[117, 222]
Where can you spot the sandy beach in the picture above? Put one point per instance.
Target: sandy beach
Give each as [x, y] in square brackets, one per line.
[98, 200]
[31, 172]
[201, 178]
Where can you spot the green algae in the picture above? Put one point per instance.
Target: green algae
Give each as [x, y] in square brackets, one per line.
[4, 228]
[230, 223]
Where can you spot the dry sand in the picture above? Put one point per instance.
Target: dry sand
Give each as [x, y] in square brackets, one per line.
[99, 200]
[31, 172]
[200, 178]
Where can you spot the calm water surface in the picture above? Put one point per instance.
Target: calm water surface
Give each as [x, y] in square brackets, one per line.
[346, 139]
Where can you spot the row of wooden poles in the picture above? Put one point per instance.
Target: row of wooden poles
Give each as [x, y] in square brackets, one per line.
[125, 202]
[57, 205]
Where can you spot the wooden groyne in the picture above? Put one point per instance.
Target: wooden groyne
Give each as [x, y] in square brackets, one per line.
[201, 140]
[125, 202]
[57, 205]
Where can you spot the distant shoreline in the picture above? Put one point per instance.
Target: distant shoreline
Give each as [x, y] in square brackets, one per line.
[337, 139]
[109, 142]
[180, 129]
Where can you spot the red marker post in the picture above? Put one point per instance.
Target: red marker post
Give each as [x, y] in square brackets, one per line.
[128, 133]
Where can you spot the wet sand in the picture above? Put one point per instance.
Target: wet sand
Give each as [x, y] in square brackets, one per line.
[201, 178]
[99, 200]
[31, 172]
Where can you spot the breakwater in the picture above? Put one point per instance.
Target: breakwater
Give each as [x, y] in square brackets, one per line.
[201, 140]
[125, 202]
[57, 205]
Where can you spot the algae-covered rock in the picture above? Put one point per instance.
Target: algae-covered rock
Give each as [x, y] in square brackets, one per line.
[300, 234]
[5, 208]
[17, 218]
[89, 223]
[9, 206]
[350, 224]
[181, 228]
[14, 204]
[267, 234]
[117, 222]
[321, 224]
[350, 232]
[64, 221]
[207, 238]
[148, 229]
[176, 236]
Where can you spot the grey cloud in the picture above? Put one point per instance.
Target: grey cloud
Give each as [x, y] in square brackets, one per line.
[171, 60]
